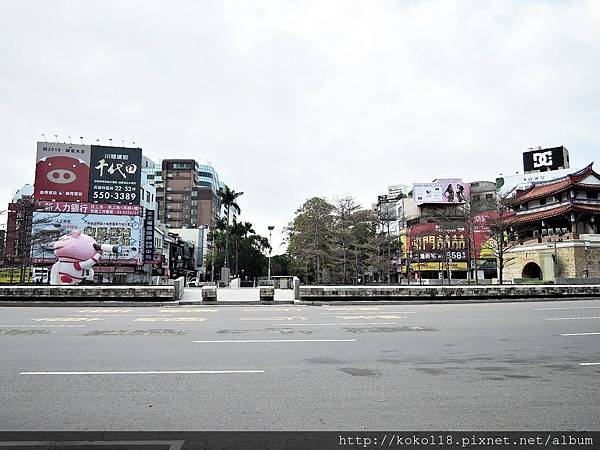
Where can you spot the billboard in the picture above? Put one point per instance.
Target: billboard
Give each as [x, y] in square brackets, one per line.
[62, 172]
[544, 159]
[449, 190]
[428, 243]
[506, 186]
[90, 208]
[123, 230]
[115, 175]
[149, 237]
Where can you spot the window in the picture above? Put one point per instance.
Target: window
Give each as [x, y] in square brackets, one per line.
[542, 201]
[489, 196]
[205, 174]
[591, 195]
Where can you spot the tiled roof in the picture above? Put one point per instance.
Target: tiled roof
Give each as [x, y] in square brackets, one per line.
[544, 189]
[553, 212]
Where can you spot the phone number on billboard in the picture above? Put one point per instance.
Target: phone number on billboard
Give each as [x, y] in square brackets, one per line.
[125, 196]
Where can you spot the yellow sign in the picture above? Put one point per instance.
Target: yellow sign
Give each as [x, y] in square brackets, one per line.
[437, 266]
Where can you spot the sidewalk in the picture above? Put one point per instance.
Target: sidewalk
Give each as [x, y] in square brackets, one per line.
[241, 296]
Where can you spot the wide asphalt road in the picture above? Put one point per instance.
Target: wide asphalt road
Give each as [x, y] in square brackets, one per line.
[524, 366]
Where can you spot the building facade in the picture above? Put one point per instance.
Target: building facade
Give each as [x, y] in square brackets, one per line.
[554, 229]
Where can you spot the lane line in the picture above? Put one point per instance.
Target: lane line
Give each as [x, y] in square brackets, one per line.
[333, 324]
[590, 364]
[254, 341]
[42, 325]
[147, 372]
[574, 318]
[117, 315]
[570, 307]
[272, 318]
[579, 334]
[364, 313]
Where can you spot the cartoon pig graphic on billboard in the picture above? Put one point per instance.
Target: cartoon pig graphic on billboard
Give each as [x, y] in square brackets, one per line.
[77, 253]
[62, 178]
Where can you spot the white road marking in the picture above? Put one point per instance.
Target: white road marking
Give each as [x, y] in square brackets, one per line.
[68, 319]
[579, 334]
[382, 312]
[379, 316]
[570, 307]
[590, 364]
[353, 308]
[333, 324]
[188, 310]
[277, 309]
[105, 310]
[272, 318]
[119, 315]
[574, 318]
[170, 319]
[148, 372]
[42, 325]
[253, 341]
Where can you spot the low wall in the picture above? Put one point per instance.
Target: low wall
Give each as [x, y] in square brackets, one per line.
[90, 292]
[179, 285]
[427, 293]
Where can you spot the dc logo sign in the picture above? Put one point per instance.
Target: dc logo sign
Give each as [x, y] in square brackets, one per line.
[543, 159]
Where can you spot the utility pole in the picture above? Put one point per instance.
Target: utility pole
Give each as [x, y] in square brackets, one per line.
[271, 227]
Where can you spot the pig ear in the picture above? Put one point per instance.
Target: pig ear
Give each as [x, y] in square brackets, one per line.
[75, 233]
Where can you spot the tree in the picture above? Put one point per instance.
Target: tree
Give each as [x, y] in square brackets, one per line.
[309, 239]
[228, 200]
[500, 241]
[344, 221]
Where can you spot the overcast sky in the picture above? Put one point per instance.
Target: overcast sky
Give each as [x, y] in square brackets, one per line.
[295, 99]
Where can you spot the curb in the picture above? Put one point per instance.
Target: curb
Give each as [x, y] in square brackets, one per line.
[442, 301]
[235, 303]
[85, 303]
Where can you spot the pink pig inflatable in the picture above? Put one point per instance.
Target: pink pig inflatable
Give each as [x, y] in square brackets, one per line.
[77, 253]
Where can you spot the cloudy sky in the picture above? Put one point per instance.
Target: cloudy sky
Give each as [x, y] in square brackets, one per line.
[290, 100]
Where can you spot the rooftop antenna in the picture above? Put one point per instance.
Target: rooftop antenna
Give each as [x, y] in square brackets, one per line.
[44, 136]
[98, 141]
[56, 137]
[123, 143]
[69, 140]
[81, 139]
[110, 141]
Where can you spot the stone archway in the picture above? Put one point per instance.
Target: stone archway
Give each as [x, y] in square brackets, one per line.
[532, 271]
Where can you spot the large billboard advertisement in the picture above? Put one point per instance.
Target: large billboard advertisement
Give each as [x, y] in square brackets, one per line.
[428, 243]
[451, 190]
[123, 230]
[509, 185]
[62, 172]
[115, 175]
[543, 159]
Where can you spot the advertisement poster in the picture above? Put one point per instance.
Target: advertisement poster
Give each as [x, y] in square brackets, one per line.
[62, 172]
[149, 237]
[122, 230]
[429, 244]
[90, 208]
[115, 175]
[451, 190]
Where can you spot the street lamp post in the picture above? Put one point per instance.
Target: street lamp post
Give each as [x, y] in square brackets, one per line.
[271, 227]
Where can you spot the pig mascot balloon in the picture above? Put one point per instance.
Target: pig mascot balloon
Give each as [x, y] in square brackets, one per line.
[76, 253]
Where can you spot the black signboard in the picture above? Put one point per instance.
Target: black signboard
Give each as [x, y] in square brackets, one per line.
[541, 160]
[149, 236]
[115, 175]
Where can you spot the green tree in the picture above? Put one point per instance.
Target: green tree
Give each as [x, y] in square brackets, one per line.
[229, 201]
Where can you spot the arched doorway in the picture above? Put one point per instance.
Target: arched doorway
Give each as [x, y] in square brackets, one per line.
[532, 271]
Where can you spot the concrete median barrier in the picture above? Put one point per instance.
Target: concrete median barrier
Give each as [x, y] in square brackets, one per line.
[209, 293]
[434, 294]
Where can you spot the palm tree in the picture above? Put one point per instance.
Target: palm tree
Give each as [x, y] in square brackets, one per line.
[228, 200]
[240, 231]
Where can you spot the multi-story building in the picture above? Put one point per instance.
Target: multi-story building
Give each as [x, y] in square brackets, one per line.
[187, 194]
[555, 231]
